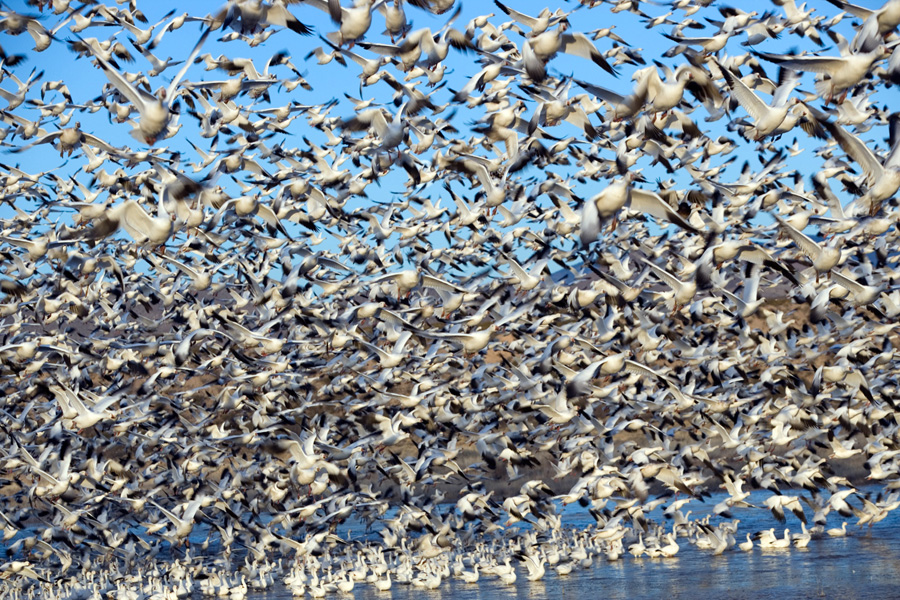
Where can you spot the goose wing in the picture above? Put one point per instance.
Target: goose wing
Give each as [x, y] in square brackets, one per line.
[652, 203]
[590, 222]
[744, 95]
[522, 18]
[851, 285]
[855, 10]
[435, 283]
[856, 150]
[815, 64]
[173, 85]
[672, 281]
[578, 44]
[806, 244]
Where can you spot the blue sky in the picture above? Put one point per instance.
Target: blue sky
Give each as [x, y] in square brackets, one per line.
[333, 81]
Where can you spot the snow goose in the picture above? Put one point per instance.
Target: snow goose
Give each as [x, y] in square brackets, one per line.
[507, 577]
[638, 548]
[839, 73]
[16, 24]
[69, 139]
[877, 23]
[663, 95]
[539, 49]
[470, 576]
[405, 281]
[874, 512]
[77, 414]
[768, 541]
[801, 540]
[525, 280]
[383, 585]
[710, 45]
[471, 343]
[750, 303]
[425, 49]
[623, 107]
[618, 195]
[155, 114]
[766, 118]
[535, 564]
[354, 22]
[824, 258]
[249, 16]
[184, 524]
[538, 24]
[682, 291]
[671, 547]
[395, 22]
[146, 230]
[837, 531]
[778, 503]
[882, 178]
[765, 538]
[862, 295]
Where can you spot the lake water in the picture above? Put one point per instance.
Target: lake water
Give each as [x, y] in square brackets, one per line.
[864, 565]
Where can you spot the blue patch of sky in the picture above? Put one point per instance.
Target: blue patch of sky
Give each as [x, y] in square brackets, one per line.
[335, 82]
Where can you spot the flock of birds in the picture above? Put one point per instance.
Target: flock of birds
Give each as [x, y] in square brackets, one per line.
[446, 311]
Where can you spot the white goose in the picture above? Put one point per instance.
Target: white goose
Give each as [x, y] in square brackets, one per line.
[877, 23]
[539, 49]
[155, 114]
[383, 585]
[535, 565]
[836, 532]
[616, 196]
[131, 216]
[824, 258]
[767, 118]
[354, 22]
[839, 73]
[682, 291]
[882, 178]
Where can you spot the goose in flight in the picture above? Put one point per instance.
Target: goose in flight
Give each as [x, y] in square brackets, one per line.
[131, 216]
[424, 48]
[539, 49]
[184, 524]
[839, 73]
[862, 295]
[620, 194]
[682, 291]
[767, 119]
[472, 343]
[538, 24]
[248, 16]
[877, 23]
[824, 258]
[778, 503]
[525, 280]
[354, 22]
[665, 94]
[882, 177]
[534, 562]
[155, 113]
[69, 139]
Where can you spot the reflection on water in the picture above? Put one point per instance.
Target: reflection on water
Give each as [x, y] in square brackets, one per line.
[865, 565]
[855, 567]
